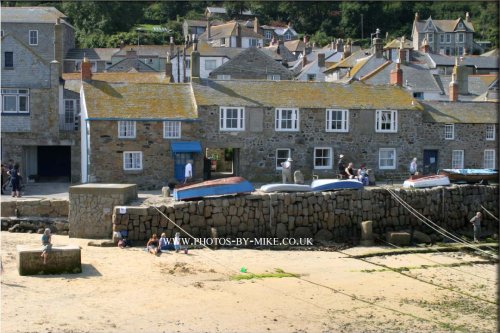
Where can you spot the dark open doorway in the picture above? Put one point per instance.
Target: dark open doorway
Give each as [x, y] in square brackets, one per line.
[54, 163]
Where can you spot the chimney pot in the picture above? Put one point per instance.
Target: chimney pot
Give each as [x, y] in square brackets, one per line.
[453, 92]
[397, 75]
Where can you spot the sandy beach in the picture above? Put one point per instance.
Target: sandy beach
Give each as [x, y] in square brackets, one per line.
[130, 290]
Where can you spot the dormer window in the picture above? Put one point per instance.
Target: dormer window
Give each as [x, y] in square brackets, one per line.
[460, 25]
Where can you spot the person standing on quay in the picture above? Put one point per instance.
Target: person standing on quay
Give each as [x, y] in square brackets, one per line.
[476, 222]
[286, 170]
[188, 171]
[413, 166]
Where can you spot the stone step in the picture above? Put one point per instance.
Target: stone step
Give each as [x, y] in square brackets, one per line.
[64, 259]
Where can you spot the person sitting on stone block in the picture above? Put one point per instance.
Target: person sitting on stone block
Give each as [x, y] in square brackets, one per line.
[47, 245]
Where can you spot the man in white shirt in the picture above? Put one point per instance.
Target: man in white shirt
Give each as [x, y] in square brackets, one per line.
[188, 171]
[286, 171]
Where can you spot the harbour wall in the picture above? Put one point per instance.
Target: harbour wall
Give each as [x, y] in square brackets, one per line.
[331, 216]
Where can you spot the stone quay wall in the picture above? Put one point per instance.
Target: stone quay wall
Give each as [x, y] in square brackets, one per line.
[35, 207]
[334, 216]
[91, 207]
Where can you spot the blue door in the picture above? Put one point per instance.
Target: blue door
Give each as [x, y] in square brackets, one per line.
[430, 161]
[180, 161]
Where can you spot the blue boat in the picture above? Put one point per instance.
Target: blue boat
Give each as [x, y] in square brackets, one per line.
[223, 186]
[319, 185]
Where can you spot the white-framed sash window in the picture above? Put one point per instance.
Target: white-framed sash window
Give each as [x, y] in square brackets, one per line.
[171, 129]
[457, 159]
[387, 158]
[287, 119]
[232, 119]
[323, 158]
[489, 159]
[449, 131]
[282, 154]
[126, 129]
[386, 121]
[337, 120]
[132, 160]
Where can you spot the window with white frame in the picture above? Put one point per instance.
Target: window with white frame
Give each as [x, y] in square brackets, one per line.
[457, 159]
[489, 159]
[132, 160]
[171, 129]
[15, 100]
[253, 42]
[430, 37]
[273, 77]
[232, 119]
[337, 120]
[441, 38]
[268, 34]
[323, 158]
[490, 132]
[449, 131]
[210, 64]
[282, 154]
[71, 107]
[288, 36]
[287, 119]
[223, 77]
[33, 37]
[126, 129]
[460, 51]
[387, 158]
[448, 38]
[460, 37]
[386, 121]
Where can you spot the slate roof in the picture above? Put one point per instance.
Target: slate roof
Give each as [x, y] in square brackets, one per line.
[207, 50]
[145, 50]
[31, 14]
[196, 23]
[396, 44]
[477, 84]
[460, 112]
[260, 93]
[443, 25]
[312, 64]
[284, 53]
[348, 62]
[253, 61]
[92, 54]
[295, 45]
[129, 64]
[419, 78]
[228, 30]
[148, 77]
[136, 101]
[479, 62]
[367, 66]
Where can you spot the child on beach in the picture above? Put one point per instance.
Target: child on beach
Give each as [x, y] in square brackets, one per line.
[47, 245]
[164, 243]
[177, 241]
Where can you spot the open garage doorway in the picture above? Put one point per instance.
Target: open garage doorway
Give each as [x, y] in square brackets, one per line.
[54, 164]
[223, 162]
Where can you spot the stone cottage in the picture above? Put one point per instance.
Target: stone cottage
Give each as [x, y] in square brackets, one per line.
[39, 130]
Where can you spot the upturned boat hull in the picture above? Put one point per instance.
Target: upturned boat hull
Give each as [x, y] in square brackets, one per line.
[285, 188]
[320, 185]
[223, 186]
[470, 175]
[427, 181]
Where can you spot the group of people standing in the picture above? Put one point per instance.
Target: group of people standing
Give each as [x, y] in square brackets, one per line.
[11, 176]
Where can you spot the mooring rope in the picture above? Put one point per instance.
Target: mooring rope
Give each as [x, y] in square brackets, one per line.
[489, 213]
[436, 227]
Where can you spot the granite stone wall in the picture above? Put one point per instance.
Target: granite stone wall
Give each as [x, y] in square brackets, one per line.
[91, 206]
[328, 215]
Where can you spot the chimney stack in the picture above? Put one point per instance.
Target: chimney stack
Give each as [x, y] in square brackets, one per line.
[238, 35]
[168, 68]
[453, 92]
[378, 45]
[131, 54]
[347, 51]
[195, 62]
[209, 32]
[402, 51]
[86, 70]
[461, 77]
[321, 59]
[256, 25]
[339, 45]
[467, 17]
[397, 75]
[172, 45]
[58, 40]
[304, 61]
[417, 17]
